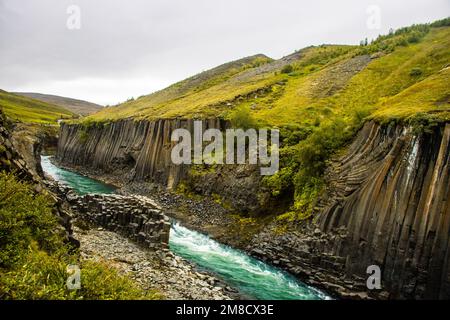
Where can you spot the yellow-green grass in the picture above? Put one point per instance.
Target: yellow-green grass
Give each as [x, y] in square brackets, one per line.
[430, 96]
[296, 98]
[30, 110]
[372, 88]
[34, 256]
[189, 97]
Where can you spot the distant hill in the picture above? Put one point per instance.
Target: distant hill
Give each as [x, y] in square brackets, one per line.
[80, 107]
[30, 110]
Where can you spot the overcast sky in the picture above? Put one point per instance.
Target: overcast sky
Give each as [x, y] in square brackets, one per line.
[129, 48]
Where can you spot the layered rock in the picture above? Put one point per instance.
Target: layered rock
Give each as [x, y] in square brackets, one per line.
[386, 204]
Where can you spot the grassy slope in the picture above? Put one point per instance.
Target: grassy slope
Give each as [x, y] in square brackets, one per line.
[34, 256]
[30, 110]
[322, 85]
[189, 96]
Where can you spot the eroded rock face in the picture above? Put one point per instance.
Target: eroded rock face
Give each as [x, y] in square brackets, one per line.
[386, 204]
[11, 159]
[391, 194]
[138, 150]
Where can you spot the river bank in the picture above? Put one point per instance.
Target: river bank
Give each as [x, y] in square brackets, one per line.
[251, 277]
[164, 272]
[202, 214]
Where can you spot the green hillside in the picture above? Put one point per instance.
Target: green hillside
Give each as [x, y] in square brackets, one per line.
[314, 83]
[30, 110]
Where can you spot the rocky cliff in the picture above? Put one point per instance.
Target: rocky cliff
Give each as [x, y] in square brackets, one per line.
[23, 164]
[11, 160]
[130, 150]
[387, 203]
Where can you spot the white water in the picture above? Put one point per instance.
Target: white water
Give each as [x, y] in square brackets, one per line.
[251, 276]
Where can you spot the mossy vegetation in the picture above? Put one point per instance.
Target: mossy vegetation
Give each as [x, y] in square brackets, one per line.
[34, 257]
[29, 110]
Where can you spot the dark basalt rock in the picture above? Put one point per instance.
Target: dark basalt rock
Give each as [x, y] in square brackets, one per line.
[11, 160]
[387, 203]
[137, 151]
[135, 217]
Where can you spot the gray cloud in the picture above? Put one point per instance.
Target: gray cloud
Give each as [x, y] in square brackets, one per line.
[130, 48]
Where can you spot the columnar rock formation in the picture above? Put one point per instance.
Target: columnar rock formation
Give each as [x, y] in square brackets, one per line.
[10, 158]
[139, 150]
[391, 193]
[134, 217]
[387, 203]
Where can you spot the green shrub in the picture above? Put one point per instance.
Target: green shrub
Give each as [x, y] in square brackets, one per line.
[83, 135]
[100, 282]
[302, 166]
[242, 118]
[441, 23]
[43, 276]
[24, 217]
[38, 276]
[415, 72]
[287, 69]
[33, 256]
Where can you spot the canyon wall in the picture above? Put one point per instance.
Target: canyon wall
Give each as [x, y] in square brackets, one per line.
[387, 204]
[11, 159]
[140, 151]
[135, 150]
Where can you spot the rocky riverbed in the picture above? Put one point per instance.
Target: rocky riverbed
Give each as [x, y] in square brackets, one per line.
[163, 271]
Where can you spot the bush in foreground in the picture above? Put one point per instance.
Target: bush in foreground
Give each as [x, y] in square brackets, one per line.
[34, 258]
